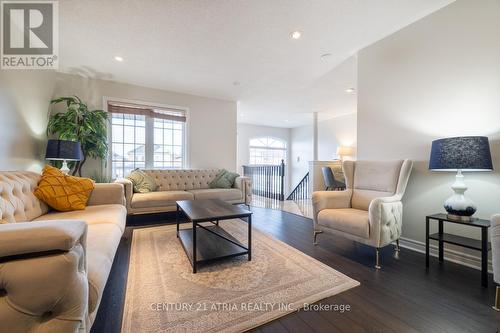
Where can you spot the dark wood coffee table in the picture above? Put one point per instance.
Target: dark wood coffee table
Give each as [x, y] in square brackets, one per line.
[204, 243]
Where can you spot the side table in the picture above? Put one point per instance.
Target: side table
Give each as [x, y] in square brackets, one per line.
[480, 245]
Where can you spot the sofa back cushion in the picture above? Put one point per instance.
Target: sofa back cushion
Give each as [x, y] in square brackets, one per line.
[371, 179]
[17, 201]
[182, 180]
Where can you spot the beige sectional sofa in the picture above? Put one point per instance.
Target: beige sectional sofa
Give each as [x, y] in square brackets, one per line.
[176, 185]
[54, 265]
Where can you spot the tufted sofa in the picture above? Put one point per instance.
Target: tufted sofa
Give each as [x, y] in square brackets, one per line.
[370, 210]
[54, 265]
[174, 185]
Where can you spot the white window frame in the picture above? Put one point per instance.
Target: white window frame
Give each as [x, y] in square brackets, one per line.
[268, 148]
[149, 132]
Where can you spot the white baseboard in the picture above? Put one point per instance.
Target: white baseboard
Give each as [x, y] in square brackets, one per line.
[449, 254]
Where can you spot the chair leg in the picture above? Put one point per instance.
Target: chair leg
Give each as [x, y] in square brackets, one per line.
[496, 307]
[397, 248]
[377, 258]
[315, 236]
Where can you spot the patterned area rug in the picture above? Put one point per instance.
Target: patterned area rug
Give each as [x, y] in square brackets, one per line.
[233, 295]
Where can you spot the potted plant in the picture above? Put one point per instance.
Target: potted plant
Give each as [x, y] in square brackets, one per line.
[78, 123]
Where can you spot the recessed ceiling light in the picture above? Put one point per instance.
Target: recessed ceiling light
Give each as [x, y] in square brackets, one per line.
[286, 120]
[325, 56]
[350, 90]
[118, 58]
[296, 34]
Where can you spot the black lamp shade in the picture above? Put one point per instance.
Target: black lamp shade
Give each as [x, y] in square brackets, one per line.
[63, 150]
[466, 153]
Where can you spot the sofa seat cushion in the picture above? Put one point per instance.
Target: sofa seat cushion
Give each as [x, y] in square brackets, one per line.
[226, 194]
[159, 199]
[348, 220]
[102, 242]
[101, 214]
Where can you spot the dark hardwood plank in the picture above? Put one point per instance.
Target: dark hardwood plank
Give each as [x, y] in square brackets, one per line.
[402, 297]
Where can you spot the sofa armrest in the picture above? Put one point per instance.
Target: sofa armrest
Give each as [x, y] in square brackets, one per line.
[44, 236]
[495, 246]
[245, 185]
[107, 194]
[330, 200]
[128, 188]
[386, 219]
[43, 281]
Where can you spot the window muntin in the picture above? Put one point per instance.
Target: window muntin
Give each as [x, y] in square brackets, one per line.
[267, 150]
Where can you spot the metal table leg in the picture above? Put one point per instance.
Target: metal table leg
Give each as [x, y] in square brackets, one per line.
[484, 257]
[441, 244]
[249, 237]
[426, 242]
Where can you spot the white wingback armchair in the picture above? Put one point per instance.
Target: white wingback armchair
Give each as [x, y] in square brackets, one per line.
[495, 256]
[370, 210]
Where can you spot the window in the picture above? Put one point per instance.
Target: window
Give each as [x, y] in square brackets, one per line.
[146, 137]
[128, 143]
[168, 144]
[267, 151]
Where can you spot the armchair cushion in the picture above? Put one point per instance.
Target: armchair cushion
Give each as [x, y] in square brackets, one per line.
[349, 220]
[373, 179]
[330, 200]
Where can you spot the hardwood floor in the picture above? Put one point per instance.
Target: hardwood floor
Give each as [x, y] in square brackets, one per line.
[401, 297]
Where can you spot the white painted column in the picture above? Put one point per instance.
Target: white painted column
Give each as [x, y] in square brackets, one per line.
[315, 136]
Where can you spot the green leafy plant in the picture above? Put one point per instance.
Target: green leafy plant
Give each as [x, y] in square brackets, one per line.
[100, 177]
[78, 123]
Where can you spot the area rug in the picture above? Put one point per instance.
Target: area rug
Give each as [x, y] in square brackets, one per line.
[234, 295]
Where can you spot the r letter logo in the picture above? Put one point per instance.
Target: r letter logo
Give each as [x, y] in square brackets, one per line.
[29, 35]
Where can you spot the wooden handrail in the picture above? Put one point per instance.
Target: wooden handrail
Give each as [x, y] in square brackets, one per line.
[301, 191]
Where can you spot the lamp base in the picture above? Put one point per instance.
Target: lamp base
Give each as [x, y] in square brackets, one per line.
[65, 169]
[458, 206]
[459, 218]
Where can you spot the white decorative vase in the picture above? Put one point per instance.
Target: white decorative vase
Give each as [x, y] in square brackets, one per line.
[458, 206]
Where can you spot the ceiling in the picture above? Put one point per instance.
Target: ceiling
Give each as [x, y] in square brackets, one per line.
[237, 50]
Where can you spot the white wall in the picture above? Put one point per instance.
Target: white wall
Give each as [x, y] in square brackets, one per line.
[24, 104]
[336, 132]
[211, 126]
[332, 133]
[246, 132]
[438, 77]
[301, 153]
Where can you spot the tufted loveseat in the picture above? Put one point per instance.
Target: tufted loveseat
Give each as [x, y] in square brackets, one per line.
[174, 185]
[54, 265]
[370, 210]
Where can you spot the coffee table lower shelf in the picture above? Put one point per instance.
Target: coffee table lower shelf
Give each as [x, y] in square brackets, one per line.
[209, 246]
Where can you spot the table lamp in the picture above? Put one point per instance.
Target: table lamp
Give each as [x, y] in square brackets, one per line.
[460, 154]
[344, 151]
[63, 150]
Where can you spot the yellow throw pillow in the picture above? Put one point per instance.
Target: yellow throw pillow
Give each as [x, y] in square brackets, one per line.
[62, 192]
